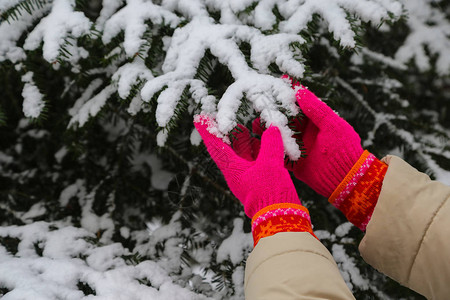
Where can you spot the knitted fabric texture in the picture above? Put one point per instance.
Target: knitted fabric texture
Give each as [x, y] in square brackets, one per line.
[357, 195]
[257, 183]
[332, 146]
[244, 144]
[281, 217]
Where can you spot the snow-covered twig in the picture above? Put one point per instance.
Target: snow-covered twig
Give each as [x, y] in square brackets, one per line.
[407, 137]
[430, 30]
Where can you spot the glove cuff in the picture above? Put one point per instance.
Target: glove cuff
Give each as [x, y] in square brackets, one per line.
[357, 194]
[281, 217]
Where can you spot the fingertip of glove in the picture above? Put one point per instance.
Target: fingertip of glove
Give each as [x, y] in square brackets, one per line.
[272, 135]
[201, 119]
[272, 146]
[303, 93]
[204, 123]
[272, 129]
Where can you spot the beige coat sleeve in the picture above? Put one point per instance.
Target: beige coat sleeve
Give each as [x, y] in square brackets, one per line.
[408, 237]
[293, 265]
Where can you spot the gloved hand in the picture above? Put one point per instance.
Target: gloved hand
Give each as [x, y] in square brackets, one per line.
[256, 183]
[332, 145]
[335, 165]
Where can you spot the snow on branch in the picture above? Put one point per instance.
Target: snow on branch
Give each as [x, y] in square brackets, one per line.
[269, 95]
[93, 106]
[335, 14]
[33, 102]
[129, 75]
[298, 13]
[53, 29]
[10, 33]
[45, 249]
[132, 20]
[430, 29]
[270, 27]
[421, 148]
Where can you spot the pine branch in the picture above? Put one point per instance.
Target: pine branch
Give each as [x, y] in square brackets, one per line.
[408, 138]
[197, 171]
[15, 12]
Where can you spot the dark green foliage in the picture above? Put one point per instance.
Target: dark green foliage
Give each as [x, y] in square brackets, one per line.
[114, 159]
[85, 288]
[10, 244]
[3, 291]
[24, 6]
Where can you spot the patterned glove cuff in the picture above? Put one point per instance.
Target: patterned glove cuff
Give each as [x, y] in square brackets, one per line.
[281, 217]
[357, 195]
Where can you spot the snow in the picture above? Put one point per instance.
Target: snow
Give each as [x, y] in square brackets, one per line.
[429, 28]
[94, 223]
[195, 137]
[68, 258]
[55, 27]
[268, 95]
[187, 48]
[348, 268]
[237, 245]
[33, 102]
[125, 232]
[264, 17]
[388, 61]
[130, 73]
[334, 14]
[87, 94]
[441, 174]
[53, 258]
[161, 138]
[212, 126]
[69, 192]
[200, 95]
[36, 210]
[87, 253]
[136, 105]
[37, 133]
[343, 229]
[10, 32]
[5, 159]
[160, 178]
[167, 102]
[108, 9]
[131, 19]
[238, 279]
[188, 44]
[59, 156]
[407, 137]
[6, 4]
[92, 107]
[345, 258]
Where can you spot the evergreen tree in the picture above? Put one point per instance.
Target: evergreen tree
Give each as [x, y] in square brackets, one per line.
[105, 188]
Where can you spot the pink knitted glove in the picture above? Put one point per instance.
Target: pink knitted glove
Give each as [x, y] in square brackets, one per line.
[244, 144]
[256, 183]
[335, 164]
[332, 145]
